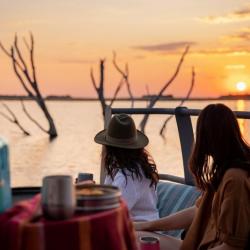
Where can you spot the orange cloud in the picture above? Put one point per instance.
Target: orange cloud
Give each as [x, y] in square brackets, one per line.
[235, 66]
[243, 35]
[165, 47]
[242, 14]
[223, 51]
[75, 61]
[139, 57]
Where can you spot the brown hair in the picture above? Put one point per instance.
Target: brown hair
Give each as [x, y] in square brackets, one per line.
[130, 160]
[219, 146]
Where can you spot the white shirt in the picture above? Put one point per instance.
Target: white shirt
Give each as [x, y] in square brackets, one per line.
[141, 199]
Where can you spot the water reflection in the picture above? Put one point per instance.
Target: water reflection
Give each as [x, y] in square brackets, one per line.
[74, 150]
[241, 106]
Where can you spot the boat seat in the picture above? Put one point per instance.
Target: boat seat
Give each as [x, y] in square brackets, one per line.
[173, 197]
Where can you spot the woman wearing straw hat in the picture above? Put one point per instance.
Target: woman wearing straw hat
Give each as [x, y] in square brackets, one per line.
[129, 166]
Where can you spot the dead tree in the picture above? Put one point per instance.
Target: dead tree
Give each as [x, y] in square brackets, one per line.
[100, 87]
[13, 119]
[118, 88]
[153, 101]
[31, 118]
[101, 96]
[147, 93]
[125, 76]
[163, 128]
[28, 79]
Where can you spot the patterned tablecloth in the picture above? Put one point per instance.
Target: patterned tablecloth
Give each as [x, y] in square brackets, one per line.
[107, 230]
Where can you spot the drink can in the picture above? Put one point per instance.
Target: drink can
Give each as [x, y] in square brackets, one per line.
[149, 243]
[85, 177]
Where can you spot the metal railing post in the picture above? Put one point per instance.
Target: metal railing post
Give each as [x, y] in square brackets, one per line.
[186, 137]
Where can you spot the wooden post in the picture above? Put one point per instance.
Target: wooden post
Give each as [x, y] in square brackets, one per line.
[108, 114]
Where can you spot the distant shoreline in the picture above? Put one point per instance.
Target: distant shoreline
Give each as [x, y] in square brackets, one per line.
[164, 98]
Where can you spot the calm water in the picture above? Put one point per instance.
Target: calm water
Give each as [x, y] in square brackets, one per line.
[74, 151]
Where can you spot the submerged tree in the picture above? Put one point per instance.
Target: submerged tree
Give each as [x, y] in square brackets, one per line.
[13, 119]
[154, 100]
[100, 89]
[125, 77]
[28, 79]
[163, 128]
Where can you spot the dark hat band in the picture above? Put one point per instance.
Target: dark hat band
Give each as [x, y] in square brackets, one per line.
[122, 141]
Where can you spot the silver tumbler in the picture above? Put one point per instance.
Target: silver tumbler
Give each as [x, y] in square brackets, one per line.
[58, 197]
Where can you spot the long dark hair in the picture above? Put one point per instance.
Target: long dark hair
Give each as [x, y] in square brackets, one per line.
[130, 160]
[219, 146]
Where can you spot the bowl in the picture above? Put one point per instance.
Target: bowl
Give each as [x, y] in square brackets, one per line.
[93, 197]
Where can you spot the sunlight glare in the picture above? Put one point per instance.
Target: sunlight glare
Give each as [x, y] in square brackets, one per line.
[241, 86]
[241, 106]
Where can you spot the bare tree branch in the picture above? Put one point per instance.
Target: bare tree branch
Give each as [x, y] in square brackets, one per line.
[125, 75]
[167, 84]
[14, 64]
[147, 93]
[29, 81]
[31, 118]
[5, 50]
[163, 128]
[5, 116]
[118, 88]
[25, 68]
[32, 59]
[13, 118]
[100, 89]
[26, 44]
[9, 54]
[93, 79]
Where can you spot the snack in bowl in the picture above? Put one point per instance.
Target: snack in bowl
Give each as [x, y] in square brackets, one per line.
[97, 197]
[89, 191]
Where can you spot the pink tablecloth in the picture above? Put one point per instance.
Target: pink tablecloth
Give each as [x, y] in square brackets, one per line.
[108, 230]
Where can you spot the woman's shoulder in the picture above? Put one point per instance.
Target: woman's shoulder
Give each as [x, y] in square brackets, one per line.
[236, 179]
[236, 174]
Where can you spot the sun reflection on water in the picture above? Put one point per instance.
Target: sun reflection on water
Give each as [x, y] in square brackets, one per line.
[241, 106]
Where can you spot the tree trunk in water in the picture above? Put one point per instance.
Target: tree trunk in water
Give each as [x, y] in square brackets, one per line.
[52, 128]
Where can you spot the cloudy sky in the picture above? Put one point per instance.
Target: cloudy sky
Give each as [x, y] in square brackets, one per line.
[72, 36]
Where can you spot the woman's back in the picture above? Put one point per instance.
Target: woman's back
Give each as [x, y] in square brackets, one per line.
[129, 166]
[140, 197]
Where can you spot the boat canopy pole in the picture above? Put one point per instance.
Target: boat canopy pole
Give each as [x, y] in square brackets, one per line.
[186, 137]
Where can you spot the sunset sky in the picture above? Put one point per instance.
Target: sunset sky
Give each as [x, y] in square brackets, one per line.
[71, 37]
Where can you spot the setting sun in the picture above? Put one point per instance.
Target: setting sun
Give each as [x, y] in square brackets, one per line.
[241, 86]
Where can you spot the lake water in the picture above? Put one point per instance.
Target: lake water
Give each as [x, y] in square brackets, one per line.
[32, 157]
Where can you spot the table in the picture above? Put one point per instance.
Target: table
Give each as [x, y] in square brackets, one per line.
[106, 230]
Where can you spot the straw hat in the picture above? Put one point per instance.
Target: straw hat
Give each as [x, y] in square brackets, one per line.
[122, 133]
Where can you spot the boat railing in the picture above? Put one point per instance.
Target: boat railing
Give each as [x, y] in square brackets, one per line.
[185, 132]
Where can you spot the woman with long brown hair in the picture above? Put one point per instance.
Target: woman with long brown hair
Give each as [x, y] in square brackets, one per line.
[220, 163]
[129, 166]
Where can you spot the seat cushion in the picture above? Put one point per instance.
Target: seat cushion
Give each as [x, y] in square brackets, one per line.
[173, 197]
